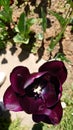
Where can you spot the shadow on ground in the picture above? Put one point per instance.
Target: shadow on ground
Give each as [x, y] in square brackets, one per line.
[26, 48]
[38, 126]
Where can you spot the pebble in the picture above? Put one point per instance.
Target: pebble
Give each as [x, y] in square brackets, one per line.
[63, 104]
[2, 77]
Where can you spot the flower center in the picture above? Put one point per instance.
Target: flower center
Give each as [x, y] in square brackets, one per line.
[37, 90]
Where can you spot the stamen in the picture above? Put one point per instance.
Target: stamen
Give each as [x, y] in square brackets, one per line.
[37, 90]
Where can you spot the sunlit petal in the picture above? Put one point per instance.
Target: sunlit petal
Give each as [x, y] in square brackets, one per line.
[18, 77]
[56, 68]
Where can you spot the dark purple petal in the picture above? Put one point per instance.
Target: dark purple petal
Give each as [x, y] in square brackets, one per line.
[50, 116]
[56, 68]
[52, 92]
[18, 77]
[11, 100]
[29, 104]
[33, 77]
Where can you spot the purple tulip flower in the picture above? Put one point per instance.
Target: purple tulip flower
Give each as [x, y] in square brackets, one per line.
[37, 93]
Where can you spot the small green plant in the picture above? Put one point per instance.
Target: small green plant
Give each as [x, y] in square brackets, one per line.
[5, 20]
[23, 29]
[63, 23]
[6, 12]
[55, 41]
[62, 57]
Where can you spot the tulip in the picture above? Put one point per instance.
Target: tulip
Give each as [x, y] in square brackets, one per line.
[38, 93]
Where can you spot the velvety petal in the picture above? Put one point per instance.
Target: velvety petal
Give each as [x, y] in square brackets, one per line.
[33, 77]
[18, 77]
[30, 104]
[52, 92]
[56, 68]
[11, 100]
[50, 116]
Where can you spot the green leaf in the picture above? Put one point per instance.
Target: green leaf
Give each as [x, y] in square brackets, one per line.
[2, 16]
[2, 44]
[59, 17]
[4, 3]
[24, 24]
[44, 20]
[3, 34]
[19, 39]
[22, 21]
[28, 23]
[31, 21]
[16, 29]
[2, 25]
[6, 15]
[62, 57]
[55, 41]
[23, 27]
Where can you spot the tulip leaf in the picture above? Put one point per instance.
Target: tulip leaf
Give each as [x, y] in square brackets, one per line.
[6, 15]
[62, 57]
[2, 16]
[44, 20]
[21, 25]
[23, 29]
[24, 23]
[31, 21]
[2, 25]
[5, 3]
[59, 17]
[55, 40]
[19, 39]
